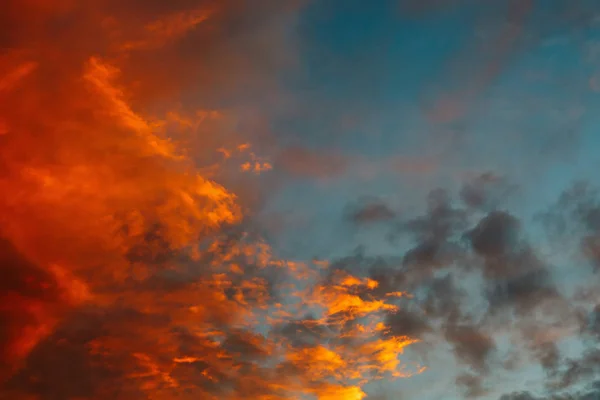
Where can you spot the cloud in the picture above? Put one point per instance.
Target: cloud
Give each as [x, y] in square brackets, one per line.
[590, 394]
[592, 325]
[441, 221]
[369, 210]
[471, 279]
[310, 163]
[577, 212]
[444, 298]
[452, 246]
[486, 191]
[577, 370]
[305, 332]
[495, 236]
[131, 266]
[516, 275]
[133, 269]
[404, 322]
[435, 235]
[473, 385]
[518, 396]
[470, 344]
[32, 300]
[524, 291]
[548, 355]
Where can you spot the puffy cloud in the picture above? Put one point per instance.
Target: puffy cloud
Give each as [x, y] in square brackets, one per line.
[495, 236]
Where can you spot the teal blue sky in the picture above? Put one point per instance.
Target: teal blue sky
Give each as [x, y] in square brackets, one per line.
[394, 99]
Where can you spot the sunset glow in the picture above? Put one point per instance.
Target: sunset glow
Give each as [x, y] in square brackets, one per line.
[294, 200]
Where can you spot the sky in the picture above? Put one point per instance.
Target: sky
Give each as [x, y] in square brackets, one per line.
[299, 199]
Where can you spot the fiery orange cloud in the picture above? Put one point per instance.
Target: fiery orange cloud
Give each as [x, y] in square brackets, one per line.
[125, 271]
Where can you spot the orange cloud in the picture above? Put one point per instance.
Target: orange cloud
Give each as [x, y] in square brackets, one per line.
[124, 279]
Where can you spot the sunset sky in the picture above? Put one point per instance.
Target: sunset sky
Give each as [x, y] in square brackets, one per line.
[299, 199]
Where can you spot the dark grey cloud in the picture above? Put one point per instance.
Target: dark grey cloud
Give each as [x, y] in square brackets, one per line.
[305, 332]
[472, 384]
[592, 392]
[495, 236]
[548, 356]
[436, 235]
[441, 221]
[369, 210]
[406, 322]
[389, 277]
[471, 344]
[590, 246]
[444, 298]
[577, 214]
[577, 370]
[432, 254]
[515, 276]
[486, 191]
[519, 396]
[522, 292]
[592, 324]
